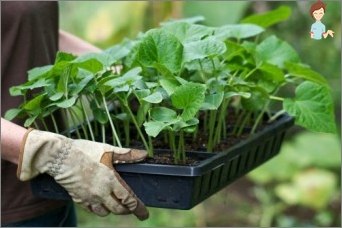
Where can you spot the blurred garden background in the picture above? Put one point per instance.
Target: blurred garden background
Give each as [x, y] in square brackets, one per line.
[299, 187]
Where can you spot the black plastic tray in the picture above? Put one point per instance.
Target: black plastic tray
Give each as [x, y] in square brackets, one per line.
[183, 187]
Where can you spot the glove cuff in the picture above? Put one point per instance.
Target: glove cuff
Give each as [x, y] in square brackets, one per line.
[21, 153]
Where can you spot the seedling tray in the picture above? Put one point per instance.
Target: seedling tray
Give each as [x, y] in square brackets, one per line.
[183, 187]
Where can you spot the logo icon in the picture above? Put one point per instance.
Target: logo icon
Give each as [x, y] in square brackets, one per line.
[318, 31]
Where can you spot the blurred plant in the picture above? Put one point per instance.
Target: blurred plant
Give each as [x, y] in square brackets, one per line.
[303, 174]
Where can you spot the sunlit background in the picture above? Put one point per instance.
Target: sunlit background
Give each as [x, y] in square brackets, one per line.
[301, 186]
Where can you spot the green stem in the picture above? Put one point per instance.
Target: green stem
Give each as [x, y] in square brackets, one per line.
[137, 127]
[54, 122]
[238, 121]
[87, 119]
[74, 114]
[275, 116]
[245, 121]
[111, 124]
[212, 120]
[221, 122]
[74, 124]
[181, 147]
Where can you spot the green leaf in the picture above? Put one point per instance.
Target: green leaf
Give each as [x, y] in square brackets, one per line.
[154, 128]
[275, 51]
[162, 114]
[257, 100]
[38, 72]
[268, 76]
[154, 98]
[212, 101]
[169, 85]
[209, 47]
[239, 31]
[29, 121]
[56, 96]
[186, 32]
[64, 57]
[190, 98]
[269, 18]
[92, 65]
[312, 107]
[100, 115]
[34, 103]
[66, 103]
[12, 113]
[159, 46]
[306, 73]
[127, 79]
[30, 85]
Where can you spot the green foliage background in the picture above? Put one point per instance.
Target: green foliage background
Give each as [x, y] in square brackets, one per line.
[105, 23]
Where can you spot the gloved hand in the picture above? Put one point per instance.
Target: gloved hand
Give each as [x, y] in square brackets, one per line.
[85, 169]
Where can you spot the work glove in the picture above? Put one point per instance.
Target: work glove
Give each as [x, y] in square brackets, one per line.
[85, 169]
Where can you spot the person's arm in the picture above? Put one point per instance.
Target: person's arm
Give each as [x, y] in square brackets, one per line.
[73, 44]
[11, 138]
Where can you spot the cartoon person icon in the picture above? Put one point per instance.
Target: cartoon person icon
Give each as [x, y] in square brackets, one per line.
[317, 12]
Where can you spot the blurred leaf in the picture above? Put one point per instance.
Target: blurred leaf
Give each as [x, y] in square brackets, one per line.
[239, 31]
[306, 73]
[275, 51]
[209, 47]
[313, 188]
[269, 18]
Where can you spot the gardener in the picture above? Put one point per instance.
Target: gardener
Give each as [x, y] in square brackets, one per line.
[30, 38]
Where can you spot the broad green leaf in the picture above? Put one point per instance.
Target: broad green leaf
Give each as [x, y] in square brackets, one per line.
[92, 65]
[312, 107]
[230, 94]
[212, 101]
[120, 50]
[257, 101]
[275, 51]
[188, 97]
[169, 85]
[159, 46]
[233, 49]
[201, 49]
[29, 121]
[306, 73]
[154, 128]
[154, 98]
[30, 85]
[163, 70]
[162, 114]
[191, 20]
[186, 125]
[56, 96]
[239, 31]
[66, 103]
[100, 115]
[38, 72]
[12, 113]
[269, 18]
[79, 87]
[140, 94]
[268, 76]
[35, 103]
[127, 79]
[186, 32]
[64, 57]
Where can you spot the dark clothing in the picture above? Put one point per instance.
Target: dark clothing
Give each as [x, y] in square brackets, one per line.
[29, 38]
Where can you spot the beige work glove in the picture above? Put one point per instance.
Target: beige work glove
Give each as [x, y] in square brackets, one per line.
[85, 169]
